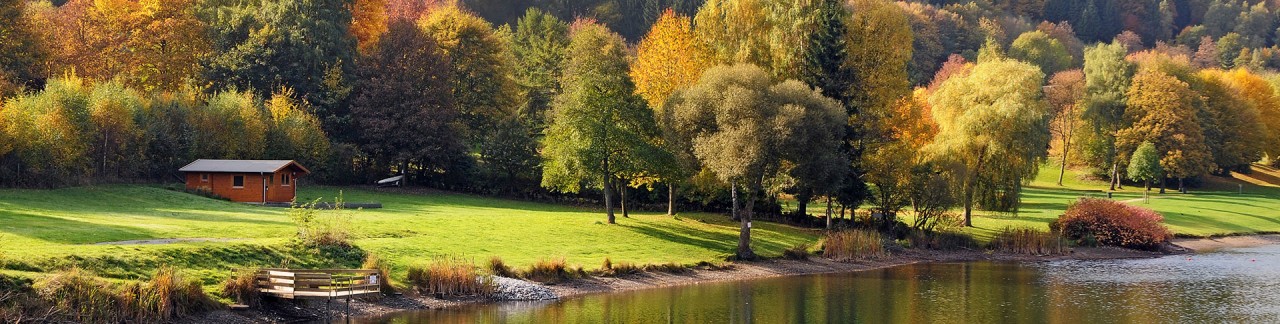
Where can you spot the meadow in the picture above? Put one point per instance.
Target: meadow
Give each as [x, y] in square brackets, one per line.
[45, 230]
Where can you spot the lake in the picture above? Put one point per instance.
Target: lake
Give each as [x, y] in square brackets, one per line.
[1230, 285]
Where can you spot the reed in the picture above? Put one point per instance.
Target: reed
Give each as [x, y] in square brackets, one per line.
[242, 288]
[853, 244]
[499, 268]
[549, 271]
[450, 276]
[1026, 240]
[797, 252]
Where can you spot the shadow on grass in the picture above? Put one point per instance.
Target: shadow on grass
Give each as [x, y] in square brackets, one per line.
[66, 231]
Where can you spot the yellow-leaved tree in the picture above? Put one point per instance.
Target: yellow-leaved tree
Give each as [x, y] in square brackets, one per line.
[669, 58]
[1259, 93]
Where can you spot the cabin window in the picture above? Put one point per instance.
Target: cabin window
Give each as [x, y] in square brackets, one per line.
[204, 177]
[284, 179]
[237, 181]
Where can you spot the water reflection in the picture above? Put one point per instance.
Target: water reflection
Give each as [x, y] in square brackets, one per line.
[1239, 285]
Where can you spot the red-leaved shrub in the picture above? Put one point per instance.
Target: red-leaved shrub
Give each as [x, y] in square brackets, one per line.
[1092, 221]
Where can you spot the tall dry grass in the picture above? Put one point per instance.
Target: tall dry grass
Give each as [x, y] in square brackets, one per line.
[550, 271]
[242, 288]
[450, 276]
[853, 244]
[78, 296]
[1026, 240]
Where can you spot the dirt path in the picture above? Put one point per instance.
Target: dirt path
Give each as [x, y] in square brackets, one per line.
[1210, 244]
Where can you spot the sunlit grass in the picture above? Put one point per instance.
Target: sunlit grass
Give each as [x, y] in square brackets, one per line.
[42, 229]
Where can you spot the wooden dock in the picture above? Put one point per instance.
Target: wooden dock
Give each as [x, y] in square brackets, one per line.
[318, 283]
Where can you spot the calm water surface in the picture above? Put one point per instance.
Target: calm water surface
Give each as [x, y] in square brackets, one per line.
[1233, 285]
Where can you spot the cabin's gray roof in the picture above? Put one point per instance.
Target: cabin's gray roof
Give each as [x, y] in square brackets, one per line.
[249, 166]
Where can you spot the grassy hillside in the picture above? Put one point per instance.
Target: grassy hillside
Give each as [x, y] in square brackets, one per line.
[44, 230]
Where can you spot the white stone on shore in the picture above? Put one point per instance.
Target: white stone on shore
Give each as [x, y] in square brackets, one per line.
[516, 289]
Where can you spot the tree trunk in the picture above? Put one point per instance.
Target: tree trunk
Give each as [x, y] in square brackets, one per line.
[733, 194]
[829, 212]
[802, 201]
[1148, 184]
[1182, 186]
[1066, 143]
[622, 192]
[608, 194]
[671, 199]
[968, 198]
[1162, 184]
[1115, 176]
[744, 236]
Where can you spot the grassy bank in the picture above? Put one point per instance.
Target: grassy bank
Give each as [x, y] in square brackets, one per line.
[1216, 208]
[45, 230]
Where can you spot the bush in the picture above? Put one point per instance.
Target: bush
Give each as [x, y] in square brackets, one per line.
[243, 288]
[331, 229]
[797, 252]
[1026, 240]
[1092, 221]
[550, 272]
[450, 276]
[943, 240]
[853, 244]
[499, 268]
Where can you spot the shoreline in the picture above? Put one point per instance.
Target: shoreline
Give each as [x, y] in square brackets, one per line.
[750, 270]
[288, 312]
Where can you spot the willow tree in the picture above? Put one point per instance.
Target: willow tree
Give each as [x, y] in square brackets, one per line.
[599, 128]
[993, 126]
[751, 132]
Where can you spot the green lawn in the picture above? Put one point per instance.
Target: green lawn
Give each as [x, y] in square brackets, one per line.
[45, 230]
[41, 230]
[1218, 208]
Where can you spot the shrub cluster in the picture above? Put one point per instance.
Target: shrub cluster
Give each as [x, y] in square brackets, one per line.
[1026, 240]
[853, 244]
[332, 228]
[450, 276]
[1093, 221]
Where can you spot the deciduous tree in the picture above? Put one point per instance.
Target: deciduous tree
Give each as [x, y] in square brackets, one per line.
[600, 130]
[748, 130]
[404, 106]
[1065, 93]
[992, 124]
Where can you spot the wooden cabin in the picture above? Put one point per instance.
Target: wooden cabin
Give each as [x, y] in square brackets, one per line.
[257, 181]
